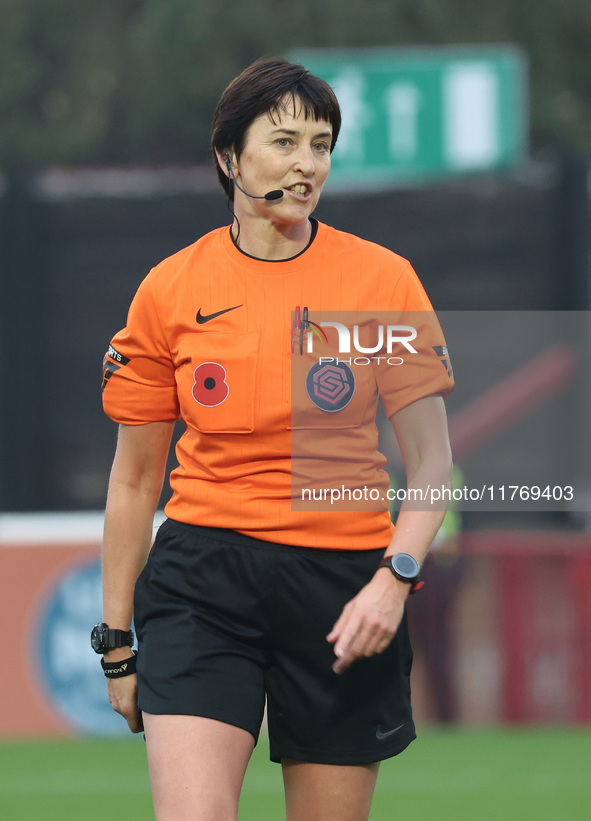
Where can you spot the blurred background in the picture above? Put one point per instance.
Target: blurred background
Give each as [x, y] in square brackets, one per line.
[465, 148]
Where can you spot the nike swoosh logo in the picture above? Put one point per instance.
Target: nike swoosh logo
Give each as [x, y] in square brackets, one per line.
[382, 736]
[203, 318]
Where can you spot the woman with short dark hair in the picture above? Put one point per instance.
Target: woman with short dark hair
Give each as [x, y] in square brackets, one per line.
[250, 594]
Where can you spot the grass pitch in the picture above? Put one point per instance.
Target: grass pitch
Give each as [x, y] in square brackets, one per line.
[450, 775]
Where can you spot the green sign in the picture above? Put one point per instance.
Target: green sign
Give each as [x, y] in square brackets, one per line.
[425, 112]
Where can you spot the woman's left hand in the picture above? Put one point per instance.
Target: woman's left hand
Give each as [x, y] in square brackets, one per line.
[369, 621]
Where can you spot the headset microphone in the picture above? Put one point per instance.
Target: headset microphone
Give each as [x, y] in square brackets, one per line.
[270, 195]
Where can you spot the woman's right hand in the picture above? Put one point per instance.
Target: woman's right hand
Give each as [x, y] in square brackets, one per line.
[123, 692]
[123, 698]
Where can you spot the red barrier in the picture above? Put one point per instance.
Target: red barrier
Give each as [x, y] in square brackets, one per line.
[544, 611]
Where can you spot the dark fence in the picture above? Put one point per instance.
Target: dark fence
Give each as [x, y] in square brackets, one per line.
[76, 245]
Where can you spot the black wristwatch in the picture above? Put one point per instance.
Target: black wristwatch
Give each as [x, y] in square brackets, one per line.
[103, 638]
[406, 569]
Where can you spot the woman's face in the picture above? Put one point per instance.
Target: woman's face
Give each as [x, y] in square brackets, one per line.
[288, 152]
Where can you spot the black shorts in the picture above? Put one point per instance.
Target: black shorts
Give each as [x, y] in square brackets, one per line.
[224, 620]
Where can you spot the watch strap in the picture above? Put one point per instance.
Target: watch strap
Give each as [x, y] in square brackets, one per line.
[118, 638]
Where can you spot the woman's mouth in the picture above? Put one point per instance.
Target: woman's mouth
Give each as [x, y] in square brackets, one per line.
[300, 189]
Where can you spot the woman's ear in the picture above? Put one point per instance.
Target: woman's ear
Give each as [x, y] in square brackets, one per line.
[225, 162]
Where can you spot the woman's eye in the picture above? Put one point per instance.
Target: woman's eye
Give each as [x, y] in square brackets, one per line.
[283, 142]
[321, 147]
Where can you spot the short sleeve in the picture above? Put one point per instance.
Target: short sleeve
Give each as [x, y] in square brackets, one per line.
[415, 349]
[139, 383]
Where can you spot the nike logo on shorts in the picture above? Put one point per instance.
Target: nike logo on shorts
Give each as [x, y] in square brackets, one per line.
[382, 735]
[203, 318]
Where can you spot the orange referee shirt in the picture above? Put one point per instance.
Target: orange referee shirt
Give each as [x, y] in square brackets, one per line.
[209, 339]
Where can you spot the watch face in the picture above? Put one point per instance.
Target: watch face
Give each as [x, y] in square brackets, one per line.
[103, 639]
[406, 566]
[97, 638]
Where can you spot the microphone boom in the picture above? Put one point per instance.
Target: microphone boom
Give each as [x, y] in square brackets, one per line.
[269, 196]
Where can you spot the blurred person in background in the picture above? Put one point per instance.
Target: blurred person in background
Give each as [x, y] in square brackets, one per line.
[431, 618]
[432, 624]
[242, 599]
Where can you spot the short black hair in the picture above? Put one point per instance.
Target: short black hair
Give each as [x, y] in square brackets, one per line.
[262, 88]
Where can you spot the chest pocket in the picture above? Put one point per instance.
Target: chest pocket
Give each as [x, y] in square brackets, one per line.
[217, 381]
